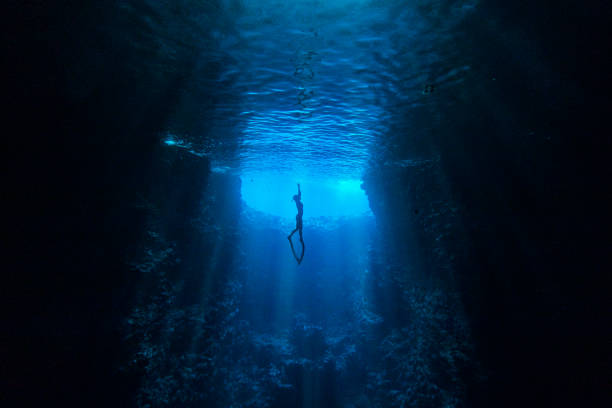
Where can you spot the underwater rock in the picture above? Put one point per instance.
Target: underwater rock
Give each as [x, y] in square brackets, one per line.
[308, 340]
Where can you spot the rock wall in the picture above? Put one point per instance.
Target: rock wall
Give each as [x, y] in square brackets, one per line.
[507, 204]
[86, 177]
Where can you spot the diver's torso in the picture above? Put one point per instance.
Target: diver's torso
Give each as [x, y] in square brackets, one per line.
[300, 207]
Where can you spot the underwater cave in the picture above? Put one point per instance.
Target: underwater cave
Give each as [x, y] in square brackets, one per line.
[307, 203]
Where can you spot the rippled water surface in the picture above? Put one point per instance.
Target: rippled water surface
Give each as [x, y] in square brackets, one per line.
[310, 88]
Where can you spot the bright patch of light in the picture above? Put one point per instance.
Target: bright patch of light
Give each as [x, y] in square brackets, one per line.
[175, 141]
[272, 194]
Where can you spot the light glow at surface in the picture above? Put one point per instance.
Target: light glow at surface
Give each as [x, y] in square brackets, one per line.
[272, 194]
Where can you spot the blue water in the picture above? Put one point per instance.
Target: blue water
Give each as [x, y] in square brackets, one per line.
[309, 92]
[272, 194]
[308, 89]
[450, 155]
[313, 92]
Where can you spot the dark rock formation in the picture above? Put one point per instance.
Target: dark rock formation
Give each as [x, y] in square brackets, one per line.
[508, 206]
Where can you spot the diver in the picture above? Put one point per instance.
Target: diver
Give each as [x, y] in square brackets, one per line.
[298, 223]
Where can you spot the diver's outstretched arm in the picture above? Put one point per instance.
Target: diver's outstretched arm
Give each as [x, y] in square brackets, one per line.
[299, 192]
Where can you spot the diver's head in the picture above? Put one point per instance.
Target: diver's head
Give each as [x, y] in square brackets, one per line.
[295, 198]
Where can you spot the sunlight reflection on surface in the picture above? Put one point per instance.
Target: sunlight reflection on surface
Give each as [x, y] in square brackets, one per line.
[272, 194]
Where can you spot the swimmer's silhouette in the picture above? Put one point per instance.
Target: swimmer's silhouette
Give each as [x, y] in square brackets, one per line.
[298, 224]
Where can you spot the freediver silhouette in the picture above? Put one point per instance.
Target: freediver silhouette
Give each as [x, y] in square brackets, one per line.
[298, 224]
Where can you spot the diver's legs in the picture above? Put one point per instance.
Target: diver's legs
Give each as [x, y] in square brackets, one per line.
[292, 232]
[293, 252]
[301, 256]
[301, 239]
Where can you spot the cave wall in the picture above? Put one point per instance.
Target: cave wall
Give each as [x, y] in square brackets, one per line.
[88, 180]
[508, 204]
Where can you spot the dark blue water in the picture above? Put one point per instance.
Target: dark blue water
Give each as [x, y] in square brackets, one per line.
[451, 157]
[308, 92]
